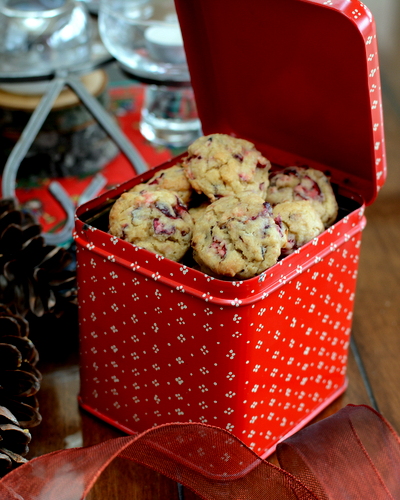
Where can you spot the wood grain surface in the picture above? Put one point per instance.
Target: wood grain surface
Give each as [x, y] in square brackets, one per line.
[374, 366]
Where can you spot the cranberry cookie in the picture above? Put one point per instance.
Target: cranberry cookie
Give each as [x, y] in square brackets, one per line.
[155, 220]
[237, 237]
[301, 183]
[300, 221]
[219, 165]
[172, 179]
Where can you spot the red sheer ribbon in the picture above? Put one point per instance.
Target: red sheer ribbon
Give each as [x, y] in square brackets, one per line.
[352, 455]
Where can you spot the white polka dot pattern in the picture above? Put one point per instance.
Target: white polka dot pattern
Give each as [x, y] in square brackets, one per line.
[161, 342]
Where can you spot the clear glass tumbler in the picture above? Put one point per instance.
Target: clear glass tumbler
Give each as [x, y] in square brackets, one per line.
[144, 36]
[169, 116]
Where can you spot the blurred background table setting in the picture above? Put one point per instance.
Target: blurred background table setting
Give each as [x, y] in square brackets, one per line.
[57, 67]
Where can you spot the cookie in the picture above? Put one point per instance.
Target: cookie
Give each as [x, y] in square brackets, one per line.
[300, 221]
[219, 165]
[301, 183]
[237, 237]
[172, 179]
[155, 220]
[261, 179]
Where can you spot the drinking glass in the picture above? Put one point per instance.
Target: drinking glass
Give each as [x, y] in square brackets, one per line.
[145, 37]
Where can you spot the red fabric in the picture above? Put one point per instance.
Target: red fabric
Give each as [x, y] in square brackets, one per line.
[358, 445]
[354, 454]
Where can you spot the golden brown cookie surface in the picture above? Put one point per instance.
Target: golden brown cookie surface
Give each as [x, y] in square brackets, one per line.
[172, 179]
[219, 165]
[300, 183]
[237, 237]
[300, 221]
[155, 220]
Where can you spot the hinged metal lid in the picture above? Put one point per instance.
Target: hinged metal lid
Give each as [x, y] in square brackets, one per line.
[299, 78]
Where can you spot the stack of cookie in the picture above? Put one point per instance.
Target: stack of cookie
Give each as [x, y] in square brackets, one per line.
[224, 202]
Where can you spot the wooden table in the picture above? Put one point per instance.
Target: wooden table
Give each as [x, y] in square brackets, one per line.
[374, 363]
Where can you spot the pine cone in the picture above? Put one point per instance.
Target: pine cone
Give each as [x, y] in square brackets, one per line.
[19, 383]
[34, 277]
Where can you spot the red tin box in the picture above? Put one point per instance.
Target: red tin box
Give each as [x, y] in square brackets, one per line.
[161, 342]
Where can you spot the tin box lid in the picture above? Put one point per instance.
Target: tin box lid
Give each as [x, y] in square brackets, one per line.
[298, 78]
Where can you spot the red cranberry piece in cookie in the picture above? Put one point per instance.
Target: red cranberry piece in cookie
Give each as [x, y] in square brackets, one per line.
[279, 225]
[165, 209]
[179, 209]
[245, 177]
[219, 247]
[160, 228]
[266, 212]
[308, 189]
[156, 180]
